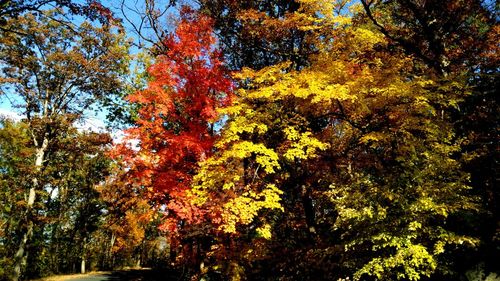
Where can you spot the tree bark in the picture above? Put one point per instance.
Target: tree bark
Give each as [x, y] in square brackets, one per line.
[20, 258]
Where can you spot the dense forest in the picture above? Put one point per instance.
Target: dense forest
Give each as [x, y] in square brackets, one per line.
[251, 140]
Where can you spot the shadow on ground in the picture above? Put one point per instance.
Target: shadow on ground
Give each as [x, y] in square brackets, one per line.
[143, 275]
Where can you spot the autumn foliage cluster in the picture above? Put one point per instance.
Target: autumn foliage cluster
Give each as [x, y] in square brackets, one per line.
[313, 140]
[340, 150]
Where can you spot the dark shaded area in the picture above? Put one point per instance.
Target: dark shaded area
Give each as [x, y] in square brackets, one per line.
[134, 275]
[146, 275]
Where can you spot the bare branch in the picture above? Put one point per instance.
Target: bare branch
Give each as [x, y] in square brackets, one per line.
[148, 25]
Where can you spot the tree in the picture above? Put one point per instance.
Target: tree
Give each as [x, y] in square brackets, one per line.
[254, 34]
[346, 160]
[11, 9]
[445, 35]
[456, 41]
[73, 205]
[15, 156]
[177, 119]
[57, 72]
[68, 209]
[128, 216]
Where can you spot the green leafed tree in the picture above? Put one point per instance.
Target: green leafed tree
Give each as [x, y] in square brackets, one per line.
[15, 171]
[54, 71]
[68, 209]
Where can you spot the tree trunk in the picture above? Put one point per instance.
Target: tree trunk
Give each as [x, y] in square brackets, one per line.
[110, 256]
[82, 265]
[56, 254]
[138, 262]
[307, 204]
[20, 258]
[84, 251]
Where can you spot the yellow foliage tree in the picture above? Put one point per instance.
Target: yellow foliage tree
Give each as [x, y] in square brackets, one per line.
[347, 158]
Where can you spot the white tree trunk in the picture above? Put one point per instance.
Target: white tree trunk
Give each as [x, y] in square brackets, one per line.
[20, 258]
[84, 251]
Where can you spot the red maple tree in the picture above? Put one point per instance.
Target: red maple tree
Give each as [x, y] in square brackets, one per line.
[177, 115]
